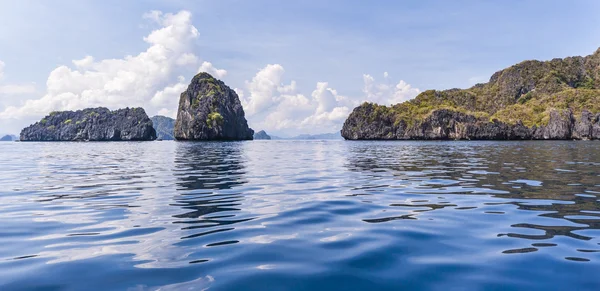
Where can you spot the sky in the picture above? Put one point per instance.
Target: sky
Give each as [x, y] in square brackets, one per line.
[298, 66]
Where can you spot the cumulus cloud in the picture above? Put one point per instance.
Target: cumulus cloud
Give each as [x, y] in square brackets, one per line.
[168, 98]
[208, 67]
[271, 105]
[145, 79]
[331, 108]
[263, 89]
[387, 93]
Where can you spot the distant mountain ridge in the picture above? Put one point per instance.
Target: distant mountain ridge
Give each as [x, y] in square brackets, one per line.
[164, 127]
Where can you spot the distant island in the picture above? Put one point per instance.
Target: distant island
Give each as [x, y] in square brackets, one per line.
[92, 124]
[323, 136]
[164, 127]
[261, 135]
[9, 137]
[557, 99]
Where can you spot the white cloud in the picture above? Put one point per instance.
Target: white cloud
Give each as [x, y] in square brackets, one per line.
[331, 108]
[137, 80]
[387, 93]
[167, 112]
[169, 96]
[187, 59]
[273, 106]
[263, 89]
[208, 67]
[84, 63]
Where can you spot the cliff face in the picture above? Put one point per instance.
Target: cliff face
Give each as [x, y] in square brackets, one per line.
[164, 127]
[210, 110]
[92, 124]
[446, 124]
[557, 99]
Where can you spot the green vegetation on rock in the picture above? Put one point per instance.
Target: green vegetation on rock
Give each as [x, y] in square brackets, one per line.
[525, 92]
[214, 117]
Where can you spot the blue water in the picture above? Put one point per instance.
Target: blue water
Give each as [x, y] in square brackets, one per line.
[300, 215]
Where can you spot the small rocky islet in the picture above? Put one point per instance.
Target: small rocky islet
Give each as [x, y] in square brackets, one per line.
[533, 100]
[210, 110]
[262, 135]
[92, 124]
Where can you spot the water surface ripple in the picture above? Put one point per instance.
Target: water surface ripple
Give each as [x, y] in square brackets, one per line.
[300, 215]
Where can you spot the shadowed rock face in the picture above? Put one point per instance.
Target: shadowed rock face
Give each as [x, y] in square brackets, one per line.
[557, 99]
[164, 127]
[210, 110]
[92, 124]
[446, 124]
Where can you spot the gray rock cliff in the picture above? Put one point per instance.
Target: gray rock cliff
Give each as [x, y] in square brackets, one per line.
[210, 110]
[446, 124]
[92, 124]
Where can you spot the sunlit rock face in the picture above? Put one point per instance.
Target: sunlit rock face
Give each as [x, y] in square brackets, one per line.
[557, 99]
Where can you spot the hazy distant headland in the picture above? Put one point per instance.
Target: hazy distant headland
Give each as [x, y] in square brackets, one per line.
[9, 137]
[557, 99]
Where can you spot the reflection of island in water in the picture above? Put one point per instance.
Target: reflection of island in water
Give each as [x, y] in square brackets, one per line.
[180, 207]
[553, 181]
[207, 174]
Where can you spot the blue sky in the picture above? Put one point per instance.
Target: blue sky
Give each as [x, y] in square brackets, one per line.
[325, 56]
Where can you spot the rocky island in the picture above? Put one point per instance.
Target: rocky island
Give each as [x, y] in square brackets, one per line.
[92, 124]
[262, 135]
[9, 137]
[210, 110]
[164, 127]
[557, 99]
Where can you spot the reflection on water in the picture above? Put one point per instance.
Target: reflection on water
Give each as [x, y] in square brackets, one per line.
[300, 215]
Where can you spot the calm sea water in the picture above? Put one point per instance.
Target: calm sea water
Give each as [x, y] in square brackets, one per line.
[300, 215]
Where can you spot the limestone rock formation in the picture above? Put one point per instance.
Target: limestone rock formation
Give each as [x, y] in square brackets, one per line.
[92, 124]
[530, 100]
[261, 135]
[210, 110]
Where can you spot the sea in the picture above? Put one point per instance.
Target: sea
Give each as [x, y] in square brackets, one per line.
[300, 215]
